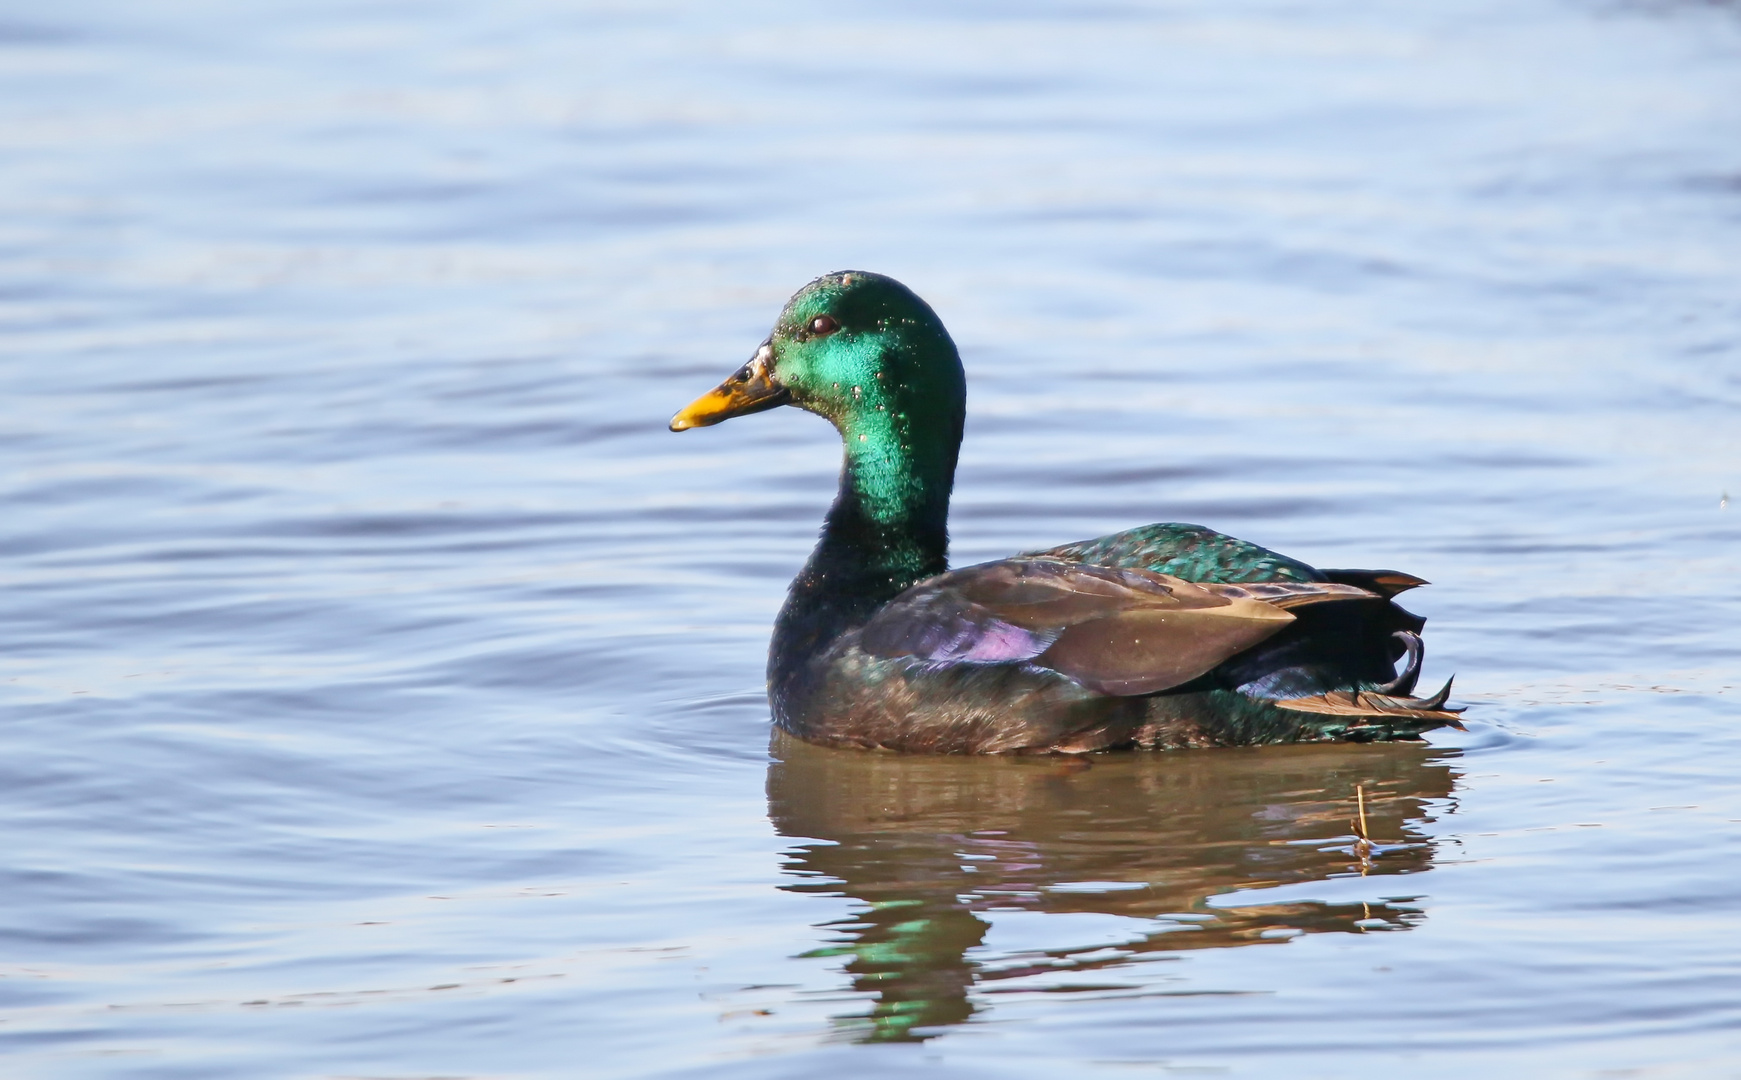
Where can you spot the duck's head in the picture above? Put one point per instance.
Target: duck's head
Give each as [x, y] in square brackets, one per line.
[863, 351]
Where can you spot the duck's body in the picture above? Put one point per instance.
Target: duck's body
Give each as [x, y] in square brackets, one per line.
[1163, 636]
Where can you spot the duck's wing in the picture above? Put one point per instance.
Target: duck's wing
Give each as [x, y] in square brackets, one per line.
[1114, 630]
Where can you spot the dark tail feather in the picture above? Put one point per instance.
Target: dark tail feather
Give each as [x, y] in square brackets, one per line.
[1386, 583]
[1404, 685]
[1437, 701]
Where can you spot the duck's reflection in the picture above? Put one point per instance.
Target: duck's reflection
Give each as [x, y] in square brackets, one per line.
[927, 843]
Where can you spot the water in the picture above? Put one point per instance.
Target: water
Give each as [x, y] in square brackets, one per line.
[382, 682]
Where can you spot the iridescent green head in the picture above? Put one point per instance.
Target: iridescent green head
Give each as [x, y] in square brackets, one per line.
[865, 352]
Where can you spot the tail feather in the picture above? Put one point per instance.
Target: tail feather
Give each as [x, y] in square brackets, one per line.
[1367, 708]
[1386, 583]
[1404, 685]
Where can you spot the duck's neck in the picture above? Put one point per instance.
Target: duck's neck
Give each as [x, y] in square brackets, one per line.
[887, 529]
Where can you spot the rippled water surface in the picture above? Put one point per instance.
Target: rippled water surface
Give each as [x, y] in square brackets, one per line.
[381, 681]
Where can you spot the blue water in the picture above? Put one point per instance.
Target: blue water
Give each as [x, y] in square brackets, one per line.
[380, 682]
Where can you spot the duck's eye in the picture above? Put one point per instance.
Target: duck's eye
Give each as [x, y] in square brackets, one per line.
[822, 324]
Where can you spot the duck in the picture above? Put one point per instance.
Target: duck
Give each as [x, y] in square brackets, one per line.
[1161, 637]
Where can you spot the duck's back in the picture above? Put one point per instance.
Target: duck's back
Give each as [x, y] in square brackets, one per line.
[1192, 552]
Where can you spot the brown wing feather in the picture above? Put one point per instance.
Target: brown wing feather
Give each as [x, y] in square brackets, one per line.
[1117, 631]
[1149, 649]
[1292, 594]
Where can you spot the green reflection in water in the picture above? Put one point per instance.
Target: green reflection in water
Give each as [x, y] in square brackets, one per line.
[925, 844]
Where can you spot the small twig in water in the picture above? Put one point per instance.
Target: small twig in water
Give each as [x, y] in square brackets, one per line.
[1362, 839]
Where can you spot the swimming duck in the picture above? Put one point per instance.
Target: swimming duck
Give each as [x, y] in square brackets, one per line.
[1158, 637]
